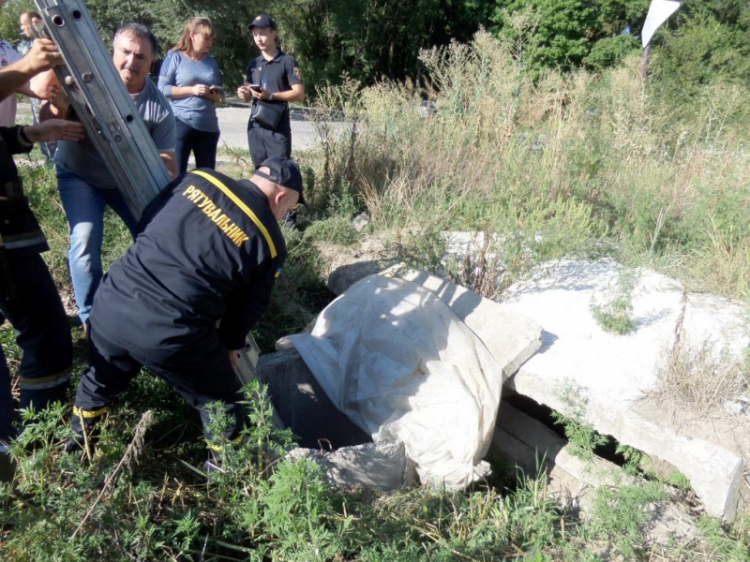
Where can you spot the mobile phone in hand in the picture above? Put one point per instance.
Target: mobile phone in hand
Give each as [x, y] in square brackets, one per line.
[214, 90]
[255, 87]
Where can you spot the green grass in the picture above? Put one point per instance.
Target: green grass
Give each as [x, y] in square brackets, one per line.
[583, 439]
[573, 165]
[158, 506]
[615, 315]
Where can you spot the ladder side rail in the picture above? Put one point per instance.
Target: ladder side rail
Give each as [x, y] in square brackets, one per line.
[105, 107]
[88, 46]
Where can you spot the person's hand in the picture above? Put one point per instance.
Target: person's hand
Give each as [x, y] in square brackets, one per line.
[200, 90]
[244, 92]
[234, 358]
[215, 94]
[47, 88]
[43, 55]
[52, 93]
[55, 130]
[261, 94]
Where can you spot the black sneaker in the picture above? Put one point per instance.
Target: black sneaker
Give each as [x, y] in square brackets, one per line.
[74, 444]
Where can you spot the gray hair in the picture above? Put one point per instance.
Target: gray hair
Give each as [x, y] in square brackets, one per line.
[138, 31]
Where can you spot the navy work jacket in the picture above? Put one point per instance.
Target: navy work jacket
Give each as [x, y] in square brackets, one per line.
[209, 250]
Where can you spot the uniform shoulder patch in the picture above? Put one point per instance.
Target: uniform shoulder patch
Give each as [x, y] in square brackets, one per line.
[297, 72]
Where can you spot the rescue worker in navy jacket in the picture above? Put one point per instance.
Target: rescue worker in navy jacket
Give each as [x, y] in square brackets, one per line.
[28, 296]
[209, 251]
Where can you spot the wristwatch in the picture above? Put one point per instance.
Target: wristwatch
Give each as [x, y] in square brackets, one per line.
[270, 96]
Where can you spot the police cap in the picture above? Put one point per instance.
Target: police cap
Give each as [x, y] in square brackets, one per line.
[285, 172]
[262, 20]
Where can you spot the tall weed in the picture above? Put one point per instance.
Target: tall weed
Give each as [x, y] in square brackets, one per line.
[567, 159]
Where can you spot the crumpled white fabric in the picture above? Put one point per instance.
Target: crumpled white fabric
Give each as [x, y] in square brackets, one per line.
[394, 358]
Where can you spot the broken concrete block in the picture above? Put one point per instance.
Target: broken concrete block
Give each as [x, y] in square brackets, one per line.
[608, 376]
[384, 467]
[544, 445]
[532, 446]
[344, 276]
[714, 473]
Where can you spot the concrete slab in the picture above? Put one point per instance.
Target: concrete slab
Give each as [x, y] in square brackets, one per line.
[533, 447]
[382, 467]
[303, 405]
[583, 368]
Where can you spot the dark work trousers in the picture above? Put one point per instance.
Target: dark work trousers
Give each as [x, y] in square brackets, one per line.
[202, 144]
[200, 376]
[265, 143]
[42, 333]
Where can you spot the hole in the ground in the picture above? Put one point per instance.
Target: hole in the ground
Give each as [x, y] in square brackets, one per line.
[543, 414]
[303, 406]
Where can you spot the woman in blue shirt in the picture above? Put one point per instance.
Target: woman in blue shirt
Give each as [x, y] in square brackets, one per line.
[191, 79]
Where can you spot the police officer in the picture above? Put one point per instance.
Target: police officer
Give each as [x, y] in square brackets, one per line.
[28, 296]
[209, 251]
[273, 80]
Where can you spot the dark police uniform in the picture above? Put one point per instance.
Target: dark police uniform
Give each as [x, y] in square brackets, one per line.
[209, 251]
[276, 75]
[28, 296]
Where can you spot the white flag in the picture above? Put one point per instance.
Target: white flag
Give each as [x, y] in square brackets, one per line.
[658, 13]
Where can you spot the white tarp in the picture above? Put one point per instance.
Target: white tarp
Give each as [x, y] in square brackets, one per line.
[658, 13]
[394, 358]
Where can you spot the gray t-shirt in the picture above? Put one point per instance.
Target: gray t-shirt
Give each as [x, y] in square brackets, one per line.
[82, 159]
[179, 70]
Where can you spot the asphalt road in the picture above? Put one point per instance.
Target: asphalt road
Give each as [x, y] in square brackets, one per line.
[233, 126]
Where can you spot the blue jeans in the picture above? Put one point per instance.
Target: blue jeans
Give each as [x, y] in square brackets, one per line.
[201, 143]
[84, 206]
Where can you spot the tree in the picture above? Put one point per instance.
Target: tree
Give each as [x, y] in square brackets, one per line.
[564, 33]
[371, 39]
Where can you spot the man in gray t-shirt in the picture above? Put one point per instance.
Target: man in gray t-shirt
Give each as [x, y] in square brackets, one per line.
[86, 184]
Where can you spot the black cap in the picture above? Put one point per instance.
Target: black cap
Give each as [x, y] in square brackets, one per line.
[285, 172]
[262, 20]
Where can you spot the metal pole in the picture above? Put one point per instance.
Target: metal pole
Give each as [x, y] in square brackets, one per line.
[645, 61]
